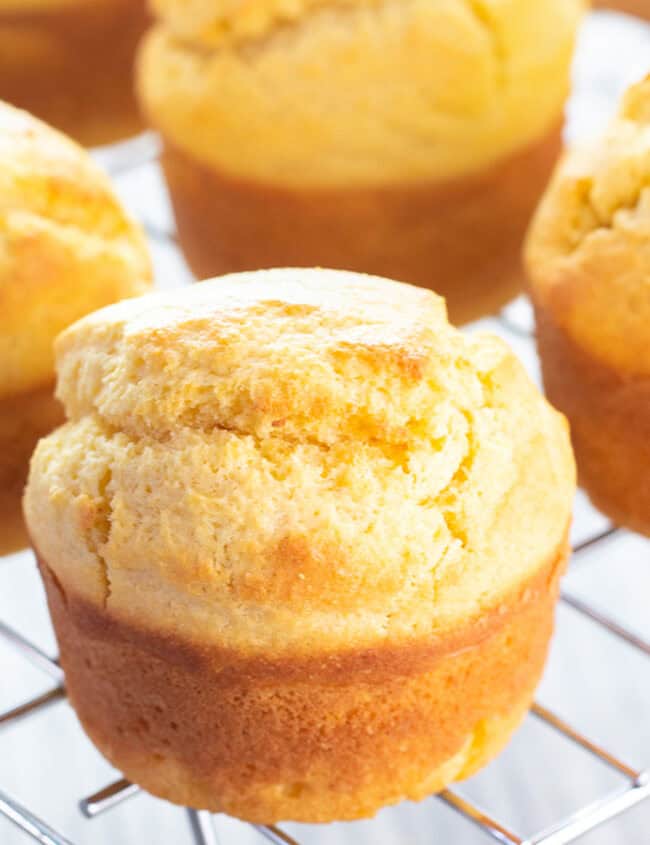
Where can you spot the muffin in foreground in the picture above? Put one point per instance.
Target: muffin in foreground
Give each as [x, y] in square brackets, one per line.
[410, 140]
[589, 265]
[301, 541]
[67, 249]
[70, 62]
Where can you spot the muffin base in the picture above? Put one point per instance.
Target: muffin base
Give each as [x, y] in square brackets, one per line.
[461, 238]
[310, 739]
[72, 66]
[609, 413]
[24, 419]
[638, 8]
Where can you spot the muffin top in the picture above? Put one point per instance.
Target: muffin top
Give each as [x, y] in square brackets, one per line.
[296, 461]
[330, 92]
[588, 250]
[66, 246]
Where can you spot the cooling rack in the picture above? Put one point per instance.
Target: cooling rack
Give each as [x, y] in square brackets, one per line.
[634, 788]
[635, 783]
[130, 160]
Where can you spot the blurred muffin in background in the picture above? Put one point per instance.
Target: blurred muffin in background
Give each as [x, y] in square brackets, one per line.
[410, 139]
[70, 63]
[639, 8]
[67, 248]
[589, 264]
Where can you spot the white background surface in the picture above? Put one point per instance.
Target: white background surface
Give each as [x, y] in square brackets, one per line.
[593, 680]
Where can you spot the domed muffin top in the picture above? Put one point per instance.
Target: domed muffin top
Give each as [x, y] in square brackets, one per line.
[309, 355]
[66, 246]
[357, 92]
[296, 461]
[588, 250]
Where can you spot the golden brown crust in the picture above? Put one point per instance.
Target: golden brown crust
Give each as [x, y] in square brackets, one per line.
[461, 239]
[67, 246]
[24, 419]
[296, 460]
[589, 267]
[71, 65]
[586, 252]
[609, 413]
[313, 740]
[306, 537]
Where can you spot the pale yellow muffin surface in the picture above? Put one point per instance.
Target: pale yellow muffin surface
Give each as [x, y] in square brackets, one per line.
[66, 246]
[588, 251]
[295, 461]
[357, 92]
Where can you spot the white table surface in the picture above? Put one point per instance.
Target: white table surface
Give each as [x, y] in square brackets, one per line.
[593, 680]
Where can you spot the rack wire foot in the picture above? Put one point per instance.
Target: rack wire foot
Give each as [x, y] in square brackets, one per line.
[30, 824]
[202, 827]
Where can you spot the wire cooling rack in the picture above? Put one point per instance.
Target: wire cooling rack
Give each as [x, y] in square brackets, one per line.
[130, 160]
[634, 788]
[635, 783]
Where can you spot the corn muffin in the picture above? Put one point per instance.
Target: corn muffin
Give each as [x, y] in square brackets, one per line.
[588, 257]
[301, 541]
[66, 248]
[396, 138]
[71, 63]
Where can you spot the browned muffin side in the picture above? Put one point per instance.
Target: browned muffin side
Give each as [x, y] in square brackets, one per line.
[589, 265]
[301, 541]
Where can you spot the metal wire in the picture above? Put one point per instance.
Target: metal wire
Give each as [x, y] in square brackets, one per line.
[598, 539]
[121, 790]
[592, 816]
[29, 707]
[31, 652]
[479, 818]
[108, 797]
[30, 824]
[607, 622]
[120, 160]
[275, 835]
[202, 827]
[636, 790]
[554, 721]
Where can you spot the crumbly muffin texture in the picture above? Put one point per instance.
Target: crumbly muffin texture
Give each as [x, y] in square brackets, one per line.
[295, 461]
[588, 256]
[588, 251]
[66, 246]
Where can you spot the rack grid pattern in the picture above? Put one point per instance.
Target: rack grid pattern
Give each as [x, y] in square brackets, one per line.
[127, 158]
